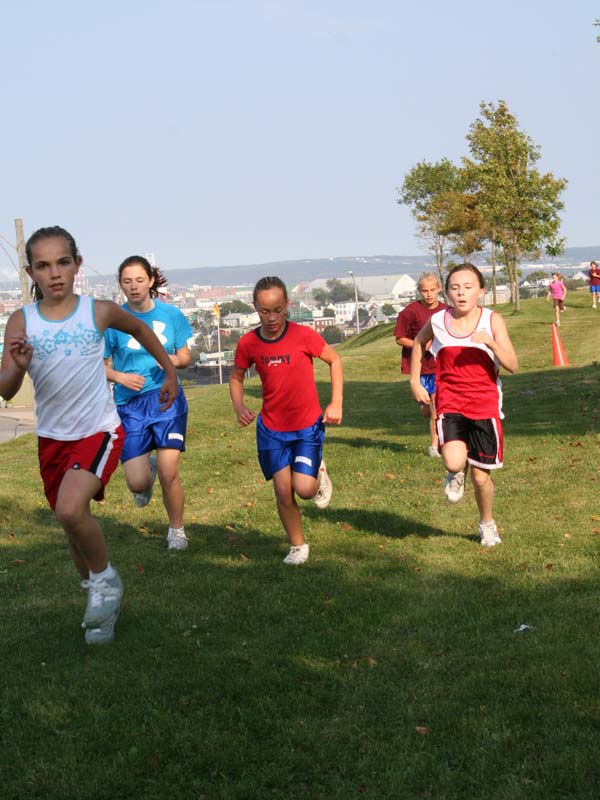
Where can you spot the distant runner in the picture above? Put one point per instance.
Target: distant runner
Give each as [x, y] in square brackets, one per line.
[410, 321]
[594, 283]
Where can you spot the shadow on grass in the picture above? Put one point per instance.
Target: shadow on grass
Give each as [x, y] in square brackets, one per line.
[561, 401]
[237, 689]
[361, 442]
[381, 523]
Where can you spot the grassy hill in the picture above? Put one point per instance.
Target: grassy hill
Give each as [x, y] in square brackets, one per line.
[388, 666]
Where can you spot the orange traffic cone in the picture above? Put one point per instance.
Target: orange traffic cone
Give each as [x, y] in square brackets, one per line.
[559, 356]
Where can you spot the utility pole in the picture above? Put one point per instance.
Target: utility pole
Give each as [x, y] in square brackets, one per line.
[24, 396]
[23, 277]
[355, 300]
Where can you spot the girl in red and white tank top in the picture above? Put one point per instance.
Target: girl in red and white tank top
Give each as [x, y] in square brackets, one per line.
[470, 344]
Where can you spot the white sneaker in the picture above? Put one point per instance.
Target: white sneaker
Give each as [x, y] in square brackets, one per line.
[325, 490]
[176, 539]
[142, 499]
[557, 323]
[103, 634]
[298, 554]
[454, 485]
[488, 533]
[104, 601]
[433, 451]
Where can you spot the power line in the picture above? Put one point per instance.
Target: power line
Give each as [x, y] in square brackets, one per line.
[10, 258]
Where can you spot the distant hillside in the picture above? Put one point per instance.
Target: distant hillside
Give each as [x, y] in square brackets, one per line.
[293, 272]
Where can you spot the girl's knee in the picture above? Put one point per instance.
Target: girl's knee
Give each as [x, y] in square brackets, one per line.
[68, 512]
[480, 477]
[168, 478]
[305, 486]
[454, 462]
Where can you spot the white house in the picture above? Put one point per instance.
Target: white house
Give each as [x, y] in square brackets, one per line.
[240, 320]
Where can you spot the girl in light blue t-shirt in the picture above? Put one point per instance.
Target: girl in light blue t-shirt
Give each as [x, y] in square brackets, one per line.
[138, 378]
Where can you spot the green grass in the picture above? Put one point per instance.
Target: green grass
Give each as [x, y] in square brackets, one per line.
[236, 677]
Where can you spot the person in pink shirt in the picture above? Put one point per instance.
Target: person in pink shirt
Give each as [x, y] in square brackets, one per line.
[557, 291]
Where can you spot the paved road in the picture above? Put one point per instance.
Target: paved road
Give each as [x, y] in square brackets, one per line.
[15, 422]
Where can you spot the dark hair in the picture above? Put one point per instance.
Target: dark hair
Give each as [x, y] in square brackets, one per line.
[466, 267]
[151, 272]
[270, 282]
[593, 263]
[54, 231]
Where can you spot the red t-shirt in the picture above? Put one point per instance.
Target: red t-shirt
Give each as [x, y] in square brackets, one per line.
[285, 367]
[594, 276]
[410, 321]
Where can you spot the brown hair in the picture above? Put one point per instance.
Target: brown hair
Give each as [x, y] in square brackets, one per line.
[151, 272]
[53, 231]
[466, 267]
[269, 282]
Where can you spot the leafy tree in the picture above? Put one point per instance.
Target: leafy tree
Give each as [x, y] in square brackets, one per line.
[321, 296]
[388, 309]
[235, 307]
[332, 335]
[427, 189]
[520, 206]
[537, 275]
[329, 312]
[462, 222]
[339, 291]
[363, 314]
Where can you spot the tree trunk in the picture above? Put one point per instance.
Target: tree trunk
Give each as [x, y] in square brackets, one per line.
[516, 292]
[494, 299]
[439, 257]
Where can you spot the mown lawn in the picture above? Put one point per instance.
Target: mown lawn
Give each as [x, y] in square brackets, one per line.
[388, 666]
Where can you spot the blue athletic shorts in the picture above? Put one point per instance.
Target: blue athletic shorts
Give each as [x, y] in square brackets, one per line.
[595, 289]
[301, 450]
[147, 427]
[428, 383]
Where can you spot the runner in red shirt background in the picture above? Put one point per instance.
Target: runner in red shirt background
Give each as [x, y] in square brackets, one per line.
[410, 321]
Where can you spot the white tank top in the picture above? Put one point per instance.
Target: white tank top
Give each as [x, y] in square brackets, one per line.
[72, 395]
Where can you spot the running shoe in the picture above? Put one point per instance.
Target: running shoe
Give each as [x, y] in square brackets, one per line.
[433, 451]
[176, 539]
[104, 600]
[103, 634]
[454, 485]
[488, 533]
[325, 490]
[142, 499]
[298, 554]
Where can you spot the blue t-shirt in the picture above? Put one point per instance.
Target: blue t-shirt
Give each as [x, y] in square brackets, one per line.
[173, 331]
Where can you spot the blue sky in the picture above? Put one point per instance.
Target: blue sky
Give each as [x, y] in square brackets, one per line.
[223, 132]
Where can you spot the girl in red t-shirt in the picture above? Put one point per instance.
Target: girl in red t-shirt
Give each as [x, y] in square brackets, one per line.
[290, 427]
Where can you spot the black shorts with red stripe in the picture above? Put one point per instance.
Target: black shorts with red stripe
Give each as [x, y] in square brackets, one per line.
[483, 438]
